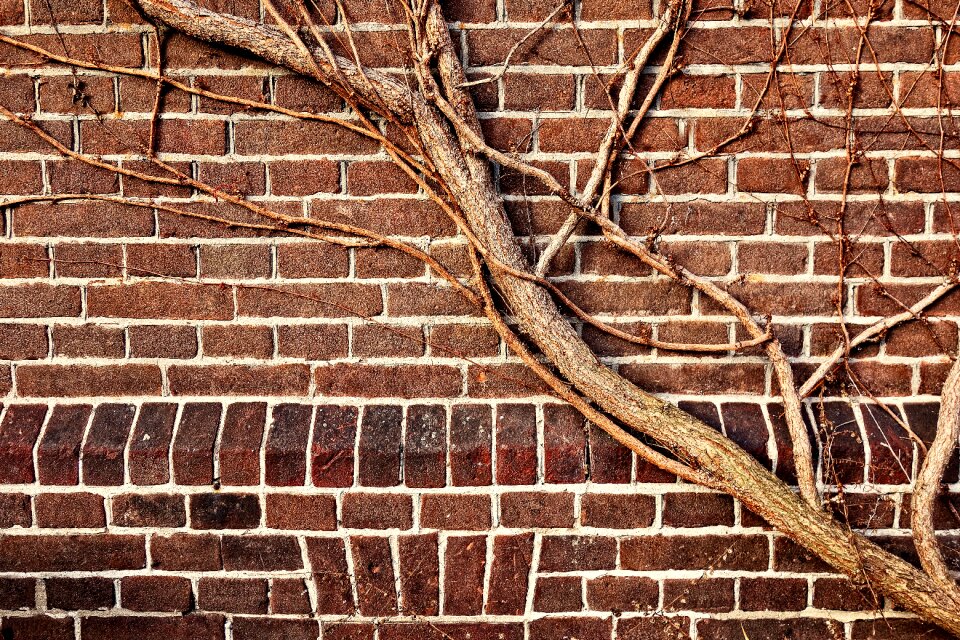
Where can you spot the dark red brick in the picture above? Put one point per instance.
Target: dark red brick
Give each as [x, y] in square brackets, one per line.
[19, 431]
[232, 595]
[94, 552]
[80, 594]
[617, 511]
[622, 593]
[700, 552]
[286, 451]
[156, 593]
[577, 553]
[377, 511]
[464, 565]
[70, 511]
[419, 574]
[14, 511]
[240, 441]
[150, 443]
[58, 454]
[509, 574]
[330, 577]
[186, 552]
[379, 446]
[293, 512]
[106, 440]
[425, 446]
[471, 433]
[193, 446]
[554, 594]
[373, 570]
[522, 509]
[334, 434]
[516, 438]
[224, 511]
[455, 512]
[148, 510]
[208, 627]
[261, 553]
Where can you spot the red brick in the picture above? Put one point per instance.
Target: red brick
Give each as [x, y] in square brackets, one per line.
[425, 446]
[772, 175]
[77, 594]
[19, 431]
[522, 509]
[464, 565]
[419, 574]
[233, 595]
[565, 444]
[386, 341]
[617, 511]
[88, 341]
[150, 443]
[193, 446]
[554, 594]
[554, 47]
[773, 594]
[235, 261]
[210, 627]
[318, 300]
[610, 462]
[274, 629]
[193, 137]
[23, 341]
[372, 381]
[96, 552]
[577, 553]
[312, 261]
[39, 301]
[239, 379]
[581, 628]
[332, 582]
[293, 512]
[313, 342]
[261, 553]
[14, 512]
[749, 553]
[162, 341]
[622, 593]
[509, 579]
[156, 593]
[17, 593]
[470, 445]
[186, 552]
[289, 595]
[699, 594]
[70, 511]
[813, 628]
[238, 341]
[224, 511]
[102, 454]
[286, 445]
[277, 137]
[334, 435]
[148, 510]
[38, 627]
[455, 512]
[516, 435]
[377, 511]
[373, 570]
[240, 439]
[374, 178]
[151, 300]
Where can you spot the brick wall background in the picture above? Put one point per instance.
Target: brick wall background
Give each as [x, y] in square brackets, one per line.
[218, 432]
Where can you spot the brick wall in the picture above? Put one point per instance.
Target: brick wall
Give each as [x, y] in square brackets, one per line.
[219, 432]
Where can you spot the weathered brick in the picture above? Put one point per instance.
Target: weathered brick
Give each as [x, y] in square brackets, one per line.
[19, 431]
[455, 512]
[528, 509]
[92, 552]
[379, 446]
[377, 511]
[156, 593]
[232, 595]
[373, 570]
[224, 511]
[286, 446]
[70, 511]
[102, 454]
[419, 574]
[193, 446]
[292, 512]
[150, 443]
[148, 510]
[464, 565]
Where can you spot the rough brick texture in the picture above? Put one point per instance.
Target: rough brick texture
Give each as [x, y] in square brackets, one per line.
[216, 432]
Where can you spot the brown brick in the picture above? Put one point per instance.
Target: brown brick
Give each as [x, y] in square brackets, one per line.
[70, 511]
[701, 552]
[372, 381]
[292, 512]
[464, 566]
[704, 594]
[582, 628]
[233, 595]
[261, 380]
[150, 443]
[14, 512]
[96, 552]
[419, 574]
[553, 594]
[156, 593]
[377, 511]
[455, 512]
[186, 552]
[509, 579]
[261, 553]
[102, 454]
[162, 341]
[577, 553]
[88, 341]
[516, 435]
[148, 510]
[193, 446]
[622, 593]
[238, 341]
[470, 445]
[153, 627]
[617, 511]
[334, 436]
[373, 569]
[425, 446]
[224, 511]
[522, 509]
[329, 563]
